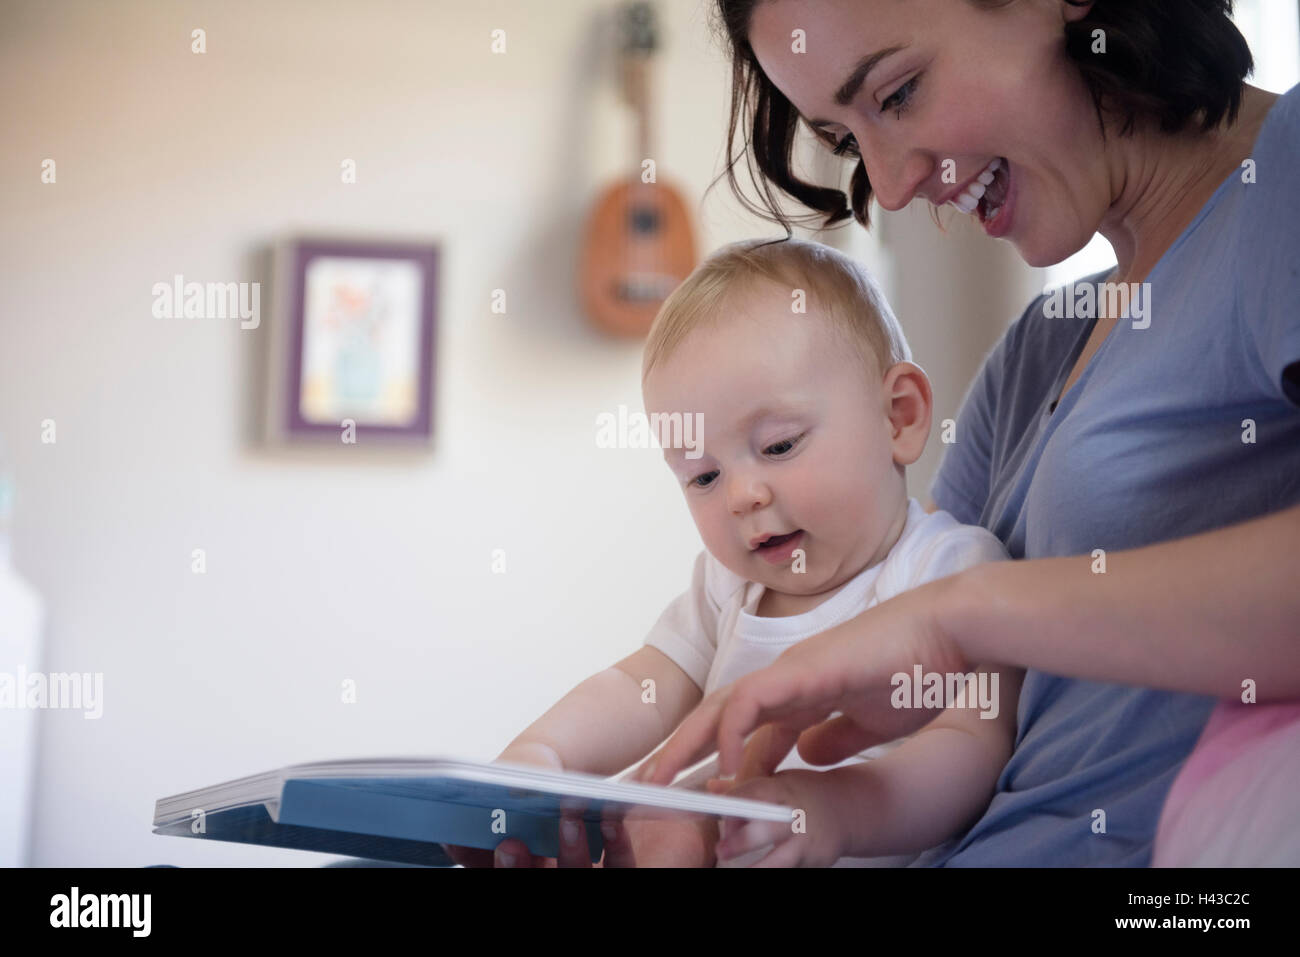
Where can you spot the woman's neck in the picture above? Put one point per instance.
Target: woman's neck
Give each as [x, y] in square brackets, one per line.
[1161, 181]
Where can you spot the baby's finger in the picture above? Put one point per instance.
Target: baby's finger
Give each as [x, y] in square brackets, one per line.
[750, 836]
[789, 854]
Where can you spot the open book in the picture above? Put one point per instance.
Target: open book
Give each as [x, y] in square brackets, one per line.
[402, 809]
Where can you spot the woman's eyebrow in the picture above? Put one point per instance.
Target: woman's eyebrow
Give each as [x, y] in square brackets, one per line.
[845, 94]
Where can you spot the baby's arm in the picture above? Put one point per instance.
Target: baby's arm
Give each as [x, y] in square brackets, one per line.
[603, 725]
[599, 727]
[932, 787]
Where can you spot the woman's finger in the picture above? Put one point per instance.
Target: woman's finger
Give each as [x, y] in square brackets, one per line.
[719, 785]
[468, 856]
[574, 851]
[784, 692]
[834, 740]
[618, 845]
[513, 852]
[765, 750]
[722, 721]
[739, 717]
[694, 738]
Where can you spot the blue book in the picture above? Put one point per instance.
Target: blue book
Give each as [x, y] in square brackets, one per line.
[404, 809]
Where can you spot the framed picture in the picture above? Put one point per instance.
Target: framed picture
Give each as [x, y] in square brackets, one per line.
[353, 356]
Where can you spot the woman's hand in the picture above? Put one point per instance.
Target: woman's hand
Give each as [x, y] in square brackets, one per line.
[574, 850]
[513, 852]
[847, 669]
[637, 839]
[632, 839]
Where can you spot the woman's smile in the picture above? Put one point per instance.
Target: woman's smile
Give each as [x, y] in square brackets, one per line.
[998, 205]
[989, 196]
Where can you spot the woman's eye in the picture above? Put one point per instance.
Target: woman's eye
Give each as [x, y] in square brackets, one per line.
[900, 99]
[846, 145]
[703, 481]
[782, 447]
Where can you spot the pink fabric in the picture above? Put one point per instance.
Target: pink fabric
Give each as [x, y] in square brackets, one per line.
[1234, 802]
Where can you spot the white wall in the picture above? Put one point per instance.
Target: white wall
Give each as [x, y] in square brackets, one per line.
[325, 567]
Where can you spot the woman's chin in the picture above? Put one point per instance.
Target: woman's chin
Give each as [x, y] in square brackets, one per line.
[1036, 258]
[1041, 253]
[1037, 254]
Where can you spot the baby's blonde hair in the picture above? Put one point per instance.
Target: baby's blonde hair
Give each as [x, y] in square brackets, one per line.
[845, 291]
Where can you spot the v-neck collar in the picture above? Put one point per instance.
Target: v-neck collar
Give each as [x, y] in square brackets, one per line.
[1053, 405]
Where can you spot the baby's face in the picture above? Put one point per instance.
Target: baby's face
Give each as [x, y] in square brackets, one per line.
[796, 443]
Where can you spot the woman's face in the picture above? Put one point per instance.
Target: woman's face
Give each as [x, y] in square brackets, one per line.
[958, 87]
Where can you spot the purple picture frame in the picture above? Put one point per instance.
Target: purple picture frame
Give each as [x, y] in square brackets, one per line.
[300, 254]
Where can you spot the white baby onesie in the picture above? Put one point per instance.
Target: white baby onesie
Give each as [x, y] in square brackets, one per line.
[711, 632]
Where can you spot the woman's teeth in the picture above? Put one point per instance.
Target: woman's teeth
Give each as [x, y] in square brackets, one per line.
[969, 198]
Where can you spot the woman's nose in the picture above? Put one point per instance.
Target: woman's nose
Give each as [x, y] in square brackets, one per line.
[895, 172]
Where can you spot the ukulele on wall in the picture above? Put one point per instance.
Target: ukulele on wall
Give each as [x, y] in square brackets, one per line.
[639, 244]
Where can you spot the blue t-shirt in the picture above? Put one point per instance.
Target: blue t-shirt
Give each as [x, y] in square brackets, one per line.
[1149, 444]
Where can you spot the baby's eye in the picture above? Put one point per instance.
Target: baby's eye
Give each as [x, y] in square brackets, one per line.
[782, 447]
[703, 481]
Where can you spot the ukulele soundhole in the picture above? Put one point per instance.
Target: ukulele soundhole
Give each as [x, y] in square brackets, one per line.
[644, 219]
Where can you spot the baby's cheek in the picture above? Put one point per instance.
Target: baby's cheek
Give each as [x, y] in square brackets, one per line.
[838, 489]
[714, 533]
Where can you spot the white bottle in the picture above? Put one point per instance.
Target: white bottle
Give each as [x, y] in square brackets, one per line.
[21, 620]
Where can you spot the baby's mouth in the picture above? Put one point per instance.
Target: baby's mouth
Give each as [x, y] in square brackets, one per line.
[778, 540]
[780, 549]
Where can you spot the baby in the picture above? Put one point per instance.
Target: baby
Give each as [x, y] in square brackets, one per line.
[810, 412]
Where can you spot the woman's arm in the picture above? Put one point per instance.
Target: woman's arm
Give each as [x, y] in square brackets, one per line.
[1201, 614]
[1198, 614]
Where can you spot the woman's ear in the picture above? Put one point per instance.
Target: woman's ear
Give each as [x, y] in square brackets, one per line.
[909, 399]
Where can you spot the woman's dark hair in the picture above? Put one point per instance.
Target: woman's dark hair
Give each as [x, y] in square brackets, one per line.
[1176, 62]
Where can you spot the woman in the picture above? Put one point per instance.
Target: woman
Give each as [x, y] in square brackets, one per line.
[1146, 470]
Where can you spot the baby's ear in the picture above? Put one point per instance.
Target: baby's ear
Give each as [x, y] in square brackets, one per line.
[907, 391]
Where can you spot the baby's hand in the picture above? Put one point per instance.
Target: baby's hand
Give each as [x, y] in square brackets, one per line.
[667, 841]
[814, 837]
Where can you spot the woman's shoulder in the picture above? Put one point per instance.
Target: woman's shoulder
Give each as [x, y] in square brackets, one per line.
[1050, 327]
[1259, 198]
[1282, 124]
